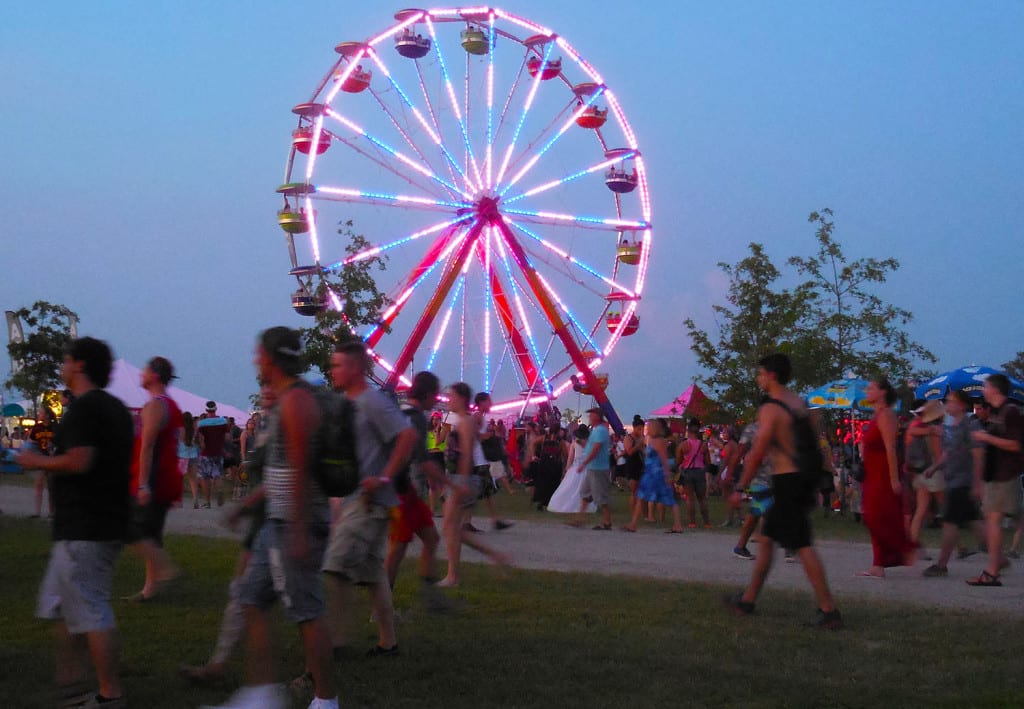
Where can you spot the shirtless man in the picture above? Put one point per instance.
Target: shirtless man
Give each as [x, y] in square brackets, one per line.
[786, 523]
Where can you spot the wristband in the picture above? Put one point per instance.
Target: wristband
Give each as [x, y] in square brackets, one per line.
[384, 479]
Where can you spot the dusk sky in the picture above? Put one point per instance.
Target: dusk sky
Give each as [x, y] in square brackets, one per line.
[142, 144]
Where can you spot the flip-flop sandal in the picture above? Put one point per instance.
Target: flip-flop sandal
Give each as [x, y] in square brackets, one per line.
[74, 694]
[674, 531]
[602, 528]
[869, 575]
[985, 579]
[627, 529]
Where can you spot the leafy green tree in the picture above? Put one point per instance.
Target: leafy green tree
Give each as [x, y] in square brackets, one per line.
[356, 289]
[758, 318]
[47, 329]
[1015, 367]
[847, 327]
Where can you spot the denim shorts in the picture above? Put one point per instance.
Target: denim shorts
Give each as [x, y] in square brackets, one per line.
[77, 585]
[273, 574]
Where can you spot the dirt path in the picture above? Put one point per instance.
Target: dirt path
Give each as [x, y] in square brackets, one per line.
[694, 556]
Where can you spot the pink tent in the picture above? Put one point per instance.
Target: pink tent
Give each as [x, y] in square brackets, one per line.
[692, 402]
[124, 384]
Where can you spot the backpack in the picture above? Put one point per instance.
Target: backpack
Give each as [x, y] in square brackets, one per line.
[336, 467]
[806, 452]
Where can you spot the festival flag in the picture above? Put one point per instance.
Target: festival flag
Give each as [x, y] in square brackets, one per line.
[16, 336]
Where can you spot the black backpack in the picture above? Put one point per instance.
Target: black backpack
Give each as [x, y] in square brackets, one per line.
[337, 467]
[806, 452]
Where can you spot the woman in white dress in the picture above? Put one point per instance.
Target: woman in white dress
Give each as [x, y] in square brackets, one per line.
[567, 497]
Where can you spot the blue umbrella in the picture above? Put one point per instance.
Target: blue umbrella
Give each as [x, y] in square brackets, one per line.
[969, 379]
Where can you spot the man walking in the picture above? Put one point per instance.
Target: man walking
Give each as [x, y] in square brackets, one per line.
[1001, 491]
[156, 482]
[212, 430]
[90, 474]
[289, 547]
[596, 465]
[356, 554]
[787, 521]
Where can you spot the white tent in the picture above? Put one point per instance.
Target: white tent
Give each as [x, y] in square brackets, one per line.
[124, 384]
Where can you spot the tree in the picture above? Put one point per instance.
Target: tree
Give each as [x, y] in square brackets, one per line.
[361, 301]
[1015, 367]
[758, 319]
[40, 356]
[847, 327]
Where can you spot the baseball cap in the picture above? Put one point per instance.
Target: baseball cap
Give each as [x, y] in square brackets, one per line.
[162, 368]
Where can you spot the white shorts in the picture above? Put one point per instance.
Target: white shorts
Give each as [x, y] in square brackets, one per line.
[497, 470]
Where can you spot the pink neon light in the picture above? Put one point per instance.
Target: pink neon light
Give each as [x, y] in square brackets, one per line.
[412, 237]
[490, 105]
[526, 108]
[397, 28]
[388, 367]
[558, 216]
[533, 161]
[312, 226]
[353, 63]
[455, 106]
[400, 198]
[318, 127]
[555, 183]
[487, 310]
[447, 319]
[524, 23]
[573, 259]
[426, 172]
[574, 55]
[415, 111]
[412, 286]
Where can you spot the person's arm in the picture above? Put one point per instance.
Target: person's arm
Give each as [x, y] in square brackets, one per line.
[242, 445]
[464, 466]
[887, 427]
[401, 451]
[935, 442]
[1011, 441]
[74, 462]
[152, 416]
[298, 416]
[591, 453]
[766, 418]
[661, 448]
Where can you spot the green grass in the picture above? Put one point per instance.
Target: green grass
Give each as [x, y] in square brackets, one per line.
[545, 640]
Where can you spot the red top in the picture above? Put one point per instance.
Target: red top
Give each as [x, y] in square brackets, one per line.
[164, 478]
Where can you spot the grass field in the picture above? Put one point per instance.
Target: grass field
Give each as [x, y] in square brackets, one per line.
[543, 640]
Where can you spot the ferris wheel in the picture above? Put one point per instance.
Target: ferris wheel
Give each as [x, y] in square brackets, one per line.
[497, 173]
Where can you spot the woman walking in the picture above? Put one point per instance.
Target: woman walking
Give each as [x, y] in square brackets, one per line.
[188, 454]
[883, 508]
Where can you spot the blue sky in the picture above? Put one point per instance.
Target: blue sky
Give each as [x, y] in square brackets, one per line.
[142, 144]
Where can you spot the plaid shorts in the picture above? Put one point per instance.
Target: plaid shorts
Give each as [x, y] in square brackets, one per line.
[210, 468]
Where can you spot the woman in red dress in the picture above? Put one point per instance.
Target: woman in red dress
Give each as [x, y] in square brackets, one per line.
[882, 502]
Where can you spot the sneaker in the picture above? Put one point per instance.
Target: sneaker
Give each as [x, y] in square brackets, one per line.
[833, 620]
[302, 686]
[267, 696]
[378, 651]
[791, 557]
[735, 602]
[501, 524]
[742, 553]
[935, 570]
[468, 527]
[318, 703]
[98, 700]
[1013, 554]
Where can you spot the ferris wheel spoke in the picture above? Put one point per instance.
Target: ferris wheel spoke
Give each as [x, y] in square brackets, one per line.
[508, 100]
[551, 305]
[615, 285]
[429, 187]
[439, 337]
[455, 103]
[437, 255]
[575, 176]
[569, 123]
[529, 366]
[522, 117]
[434, 130]
[489, 155]
[582, 222]
[401, 157]
[375, 250]
[345, 194]
[465, 246]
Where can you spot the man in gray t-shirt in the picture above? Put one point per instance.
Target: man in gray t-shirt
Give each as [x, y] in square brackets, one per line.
[356, 554]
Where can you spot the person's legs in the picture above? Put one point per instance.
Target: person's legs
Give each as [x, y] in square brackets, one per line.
[193, 481]
[950, 536]
[340, 598]
[71, 653]
[384, 612]
[453, 534]
[815, 571]
[702, 499]
[103, 649]
[396, 553]
[677, 526]
[317, 644]
[921, 505]
[762, 565]
[260, 658]
[994, 538]
[429, 539]
[39, 484]
[691, 504]
[749, 522]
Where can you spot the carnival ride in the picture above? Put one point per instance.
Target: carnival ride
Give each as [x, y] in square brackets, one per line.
[474, 138]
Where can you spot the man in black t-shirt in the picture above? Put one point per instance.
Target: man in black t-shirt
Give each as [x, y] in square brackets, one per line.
[91, 498]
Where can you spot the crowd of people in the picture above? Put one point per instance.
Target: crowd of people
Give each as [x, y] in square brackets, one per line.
[113, 480]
